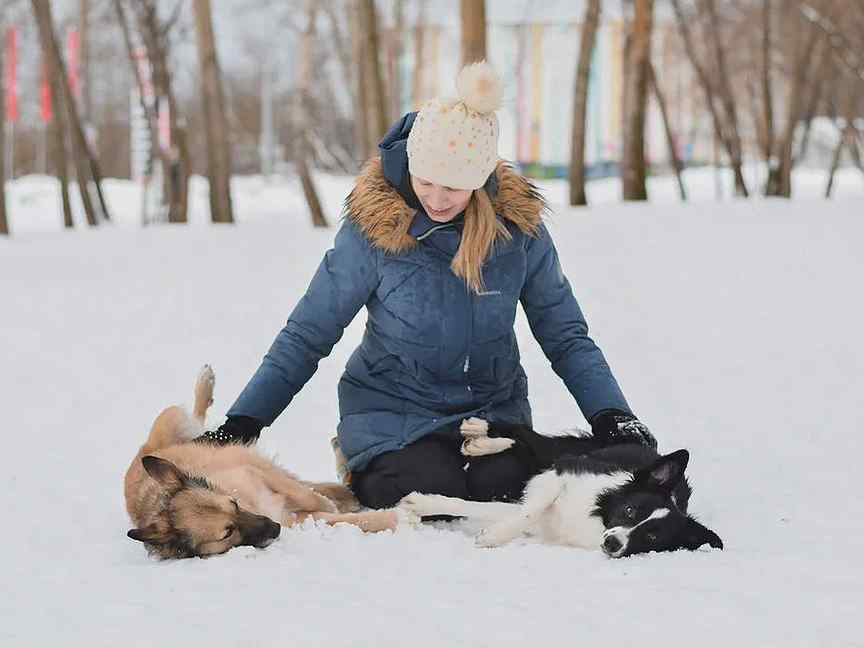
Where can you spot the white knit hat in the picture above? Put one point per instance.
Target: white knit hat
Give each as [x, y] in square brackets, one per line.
[454, 142]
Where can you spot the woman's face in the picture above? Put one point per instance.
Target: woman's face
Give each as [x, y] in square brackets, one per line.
[441, 203]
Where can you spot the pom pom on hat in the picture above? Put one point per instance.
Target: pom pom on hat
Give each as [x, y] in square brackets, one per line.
[479, 87]
[455, 142]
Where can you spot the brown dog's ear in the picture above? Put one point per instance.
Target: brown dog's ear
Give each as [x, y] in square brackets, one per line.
[151, 534]
[164, 472]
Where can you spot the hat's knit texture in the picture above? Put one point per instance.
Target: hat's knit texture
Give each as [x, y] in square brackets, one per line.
[454, 142]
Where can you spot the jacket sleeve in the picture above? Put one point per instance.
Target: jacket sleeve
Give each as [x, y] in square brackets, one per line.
[342, 284]
[559, 326]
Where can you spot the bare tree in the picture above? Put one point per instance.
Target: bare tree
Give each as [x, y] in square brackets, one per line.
[84, 57]
[580, 102]
[848, 139]
[473, 15]
[371, 85]
[633, 166]
[176, 163]
[419, 62]
[767, 89]
[303, 119]
[724, 89]
[721, 130]
[63, 97]
[216, 122]
[58, 139]
[677, 165]
[780, 172]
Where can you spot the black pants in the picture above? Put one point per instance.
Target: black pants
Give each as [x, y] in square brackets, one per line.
[434, 464]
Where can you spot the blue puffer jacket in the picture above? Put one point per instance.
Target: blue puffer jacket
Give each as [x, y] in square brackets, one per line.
[433, 352]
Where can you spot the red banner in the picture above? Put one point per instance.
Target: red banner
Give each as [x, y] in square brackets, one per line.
[73, 55]
[46, 95]
[10, 76]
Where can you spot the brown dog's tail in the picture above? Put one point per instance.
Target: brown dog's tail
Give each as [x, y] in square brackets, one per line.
[174, 424]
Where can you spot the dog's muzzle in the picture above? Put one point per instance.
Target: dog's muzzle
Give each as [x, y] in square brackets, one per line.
[258, 530]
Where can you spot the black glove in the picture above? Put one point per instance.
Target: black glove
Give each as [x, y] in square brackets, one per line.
[235, 429]
[615, 426]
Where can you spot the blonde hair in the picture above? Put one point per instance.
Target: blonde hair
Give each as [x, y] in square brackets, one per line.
[479, 234]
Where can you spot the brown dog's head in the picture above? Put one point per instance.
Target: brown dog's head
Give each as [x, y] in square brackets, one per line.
[196, 519]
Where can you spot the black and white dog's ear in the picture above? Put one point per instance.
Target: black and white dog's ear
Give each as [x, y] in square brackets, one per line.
[698, 535]
[667, 471]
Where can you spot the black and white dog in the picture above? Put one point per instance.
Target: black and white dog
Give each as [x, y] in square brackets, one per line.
[624, 499]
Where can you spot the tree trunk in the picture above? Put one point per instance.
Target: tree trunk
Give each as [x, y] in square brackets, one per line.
[419, 67]
[727, 99]
[63, 99]
[149, 113]
[780, 176]
[677, 165]
[848, 138]
[580, 102]
[216, 130]
[4, 221]
[633, 171]
[304, 126]
[346, 49]
[84, 55]
[58, 140]
[473, 14]
[767, 91]
[394, 54]
[365, 148]
[707, 88]
[175, 162]
[373, 86]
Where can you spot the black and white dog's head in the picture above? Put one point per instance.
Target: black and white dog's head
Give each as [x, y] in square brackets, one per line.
[642, 514]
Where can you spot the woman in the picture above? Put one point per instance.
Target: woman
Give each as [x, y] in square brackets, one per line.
[440, 242]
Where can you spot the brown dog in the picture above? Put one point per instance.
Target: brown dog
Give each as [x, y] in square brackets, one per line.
[195, 499]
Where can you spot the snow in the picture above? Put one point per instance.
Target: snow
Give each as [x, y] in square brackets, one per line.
[733, 327]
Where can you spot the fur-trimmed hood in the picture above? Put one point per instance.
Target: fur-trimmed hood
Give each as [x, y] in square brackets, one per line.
[383, 215]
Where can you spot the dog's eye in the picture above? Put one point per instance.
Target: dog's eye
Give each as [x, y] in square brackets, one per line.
[236, 506]
[228, 532]
[630, 511]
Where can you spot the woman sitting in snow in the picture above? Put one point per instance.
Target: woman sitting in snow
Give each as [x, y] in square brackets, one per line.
[440, 242]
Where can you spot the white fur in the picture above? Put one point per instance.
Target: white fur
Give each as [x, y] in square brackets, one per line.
[556, 509]
[622, 534]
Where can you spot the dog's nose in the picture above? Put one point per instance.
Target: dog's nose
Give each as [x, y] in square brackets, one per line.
[273, 530]
[611, 544]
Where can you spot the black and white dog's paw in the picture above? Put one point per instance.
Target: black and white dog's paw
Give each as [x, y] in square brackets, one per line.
[496, 535]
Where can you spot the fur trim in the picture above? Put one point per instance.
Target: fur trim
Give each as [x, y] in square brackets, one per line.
[376, 207]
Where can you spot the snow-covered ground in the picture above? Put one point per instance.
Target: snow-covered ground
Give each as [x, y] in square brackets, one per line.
[734, 328]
